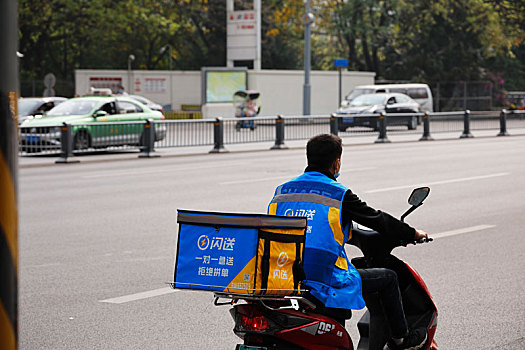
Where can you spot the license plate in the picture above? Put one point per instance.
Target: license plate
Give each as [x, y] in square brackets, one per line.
[33, 139]
[249, 347]
[348, 120]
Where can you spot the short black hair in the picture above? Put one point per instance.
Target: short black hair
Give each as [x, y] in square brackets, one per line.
[322, 150]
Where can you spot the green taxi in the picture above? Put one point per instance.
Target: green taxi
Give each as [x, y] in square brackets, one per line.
[96, 121]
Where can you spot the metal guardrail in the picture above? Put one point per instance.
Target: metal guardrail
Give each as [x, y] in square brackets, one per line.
[69, 139]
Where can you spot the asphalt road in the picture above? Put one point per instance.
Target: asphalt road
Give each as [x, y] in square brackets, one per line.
[97, 240]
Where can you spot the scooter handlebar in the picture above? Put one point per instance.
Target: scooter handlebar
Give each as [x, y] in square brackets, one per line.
[423, 240]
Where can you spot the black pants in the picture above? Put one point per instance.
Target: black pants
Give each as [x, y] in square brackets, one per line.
[384, 282]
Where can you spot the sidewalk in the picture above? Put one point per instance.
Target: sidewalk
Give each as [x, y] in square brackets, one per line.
[133, 154]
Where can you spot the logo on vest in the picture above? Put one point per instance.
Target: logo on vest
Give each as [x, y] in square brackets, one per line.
[308, 213]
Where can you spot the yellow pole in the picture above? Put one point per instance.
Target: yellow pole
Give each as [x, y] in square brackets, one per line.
[8, 176]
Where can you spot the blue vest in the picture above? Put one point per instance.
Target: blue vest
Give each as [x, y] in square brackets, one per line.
[330, 276]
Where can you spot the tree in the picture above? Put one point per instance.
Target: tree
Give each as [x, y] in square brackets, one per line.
[59, 36]
[398, 39]
[362, 28]
[509, 61]
[282, 34]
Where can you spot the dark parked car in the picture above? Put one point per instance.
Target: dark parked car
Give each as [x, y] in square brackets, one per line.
[35, 107]
[358, 112]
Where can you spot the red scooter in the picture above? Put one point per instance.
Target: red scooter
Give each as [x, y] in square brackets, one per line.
[300, 322]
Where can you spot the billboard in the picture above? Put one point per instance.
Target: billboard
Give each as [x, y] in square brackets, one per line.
[219, 84]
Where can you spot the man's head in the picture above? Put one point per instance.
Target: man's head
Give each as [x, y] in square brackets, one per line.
[322, 152]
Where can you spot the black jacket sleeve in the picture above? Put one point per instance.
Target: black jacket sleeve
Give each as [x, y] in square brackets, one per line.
[354, 209]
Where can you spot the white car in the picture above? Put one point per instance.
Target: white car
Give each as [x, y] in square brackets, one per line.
[35, 107]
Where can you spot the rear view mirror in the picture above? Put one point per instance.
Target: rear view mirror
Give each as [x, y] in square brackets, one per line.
[418, 196]
[100, 114]
[416, 199]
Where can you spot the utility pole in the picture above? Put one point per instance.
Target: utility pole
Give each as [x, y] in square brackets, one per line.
[308, 19]
[8, 175]
[257, 63]
[131, 58]
[170, 53]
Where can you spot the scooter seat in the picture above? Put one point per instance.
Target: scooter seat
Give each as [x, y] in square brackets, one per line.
[340, 315]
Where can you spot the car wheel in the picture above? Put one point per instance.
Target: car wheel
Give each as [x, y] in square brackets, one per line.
[82, 140]
[412, 124]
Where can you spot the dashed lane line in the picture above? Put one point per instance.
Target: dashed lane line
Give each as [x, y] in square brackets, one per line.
[461, 231]
[139, 296]
[168, 290]
[463, 179]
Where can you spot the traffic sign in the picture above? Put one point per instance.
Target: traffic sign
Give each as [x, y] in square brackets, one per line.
[340, 62]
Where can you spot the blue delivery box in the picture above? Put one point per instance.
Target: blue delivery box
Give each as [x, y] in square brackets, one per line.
[239, 253]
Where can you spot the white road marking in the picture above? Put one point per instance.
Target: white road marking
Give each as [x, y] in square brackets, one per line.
[44, 265]
[139, 296]
[283, 177]
[461, 231]
[438, 182]
[168, 290]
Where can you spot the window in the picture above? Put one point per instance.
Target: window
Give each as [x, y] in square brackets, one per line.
[399, 90]
[74, 107]
[109, 108]
[358, 92]
[402, 98]
[128, 107]
[418, 93]
[368, 100]
[46, 107]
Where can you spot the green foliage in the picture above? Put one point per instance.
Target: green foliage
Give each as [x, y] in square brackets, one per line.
[424, 40]
[363, 28]
[447, 44]
[282, 34]
[427, 40]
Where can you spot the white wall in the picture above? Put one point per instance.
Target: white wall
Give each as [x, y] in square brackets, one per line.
[281, 90]
[185, 85]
